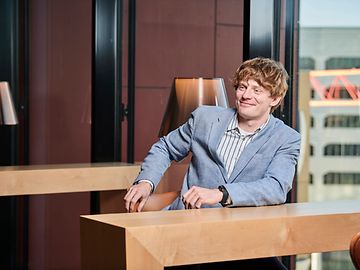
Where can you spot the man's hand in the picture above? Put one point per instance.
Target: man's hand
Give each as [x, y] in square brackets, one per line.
[137, 196]
[195, 197]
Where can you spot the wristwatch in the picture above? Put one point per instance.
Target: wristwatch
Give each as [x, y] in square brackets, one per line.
[225, 198]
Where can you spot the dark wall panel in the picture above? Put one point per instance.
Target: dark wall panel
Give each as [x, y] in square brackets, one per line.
[181, 39]
[60, 39]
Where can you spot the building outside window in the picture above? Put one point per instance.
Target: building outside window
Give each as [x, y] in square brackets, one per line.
[344, 121]
[342, 150]
[329, 111]
[342, 178]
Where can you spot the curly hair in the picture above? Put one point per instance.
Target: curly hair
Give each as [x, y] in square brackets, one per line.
[267, 73]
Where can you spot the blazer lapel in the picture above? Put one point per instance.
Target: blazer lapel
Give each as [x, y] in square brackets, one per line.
[218, 129]
[253, 148]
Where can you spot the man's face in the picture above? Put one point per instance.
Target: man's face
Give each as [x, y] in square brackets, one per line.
[253, 102]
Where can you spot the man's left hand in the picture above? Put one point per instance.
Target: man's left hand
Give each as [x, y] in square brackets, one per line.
[195, 197]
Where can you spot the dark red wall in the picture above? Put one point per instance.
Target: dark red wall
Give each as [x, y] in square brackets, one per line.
[59, 100]
[184, 38]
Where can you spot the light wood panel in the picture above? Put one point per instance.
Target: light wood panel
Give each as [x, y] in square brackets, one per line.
[47, 179]
[167, 238]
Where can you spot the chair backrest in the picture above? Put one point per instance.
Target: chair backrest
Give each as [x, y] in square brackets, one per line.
[355, 250]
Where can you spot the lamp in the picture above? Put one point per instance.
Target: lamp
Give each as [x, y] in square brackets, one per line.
[186, 95]
[7, 109]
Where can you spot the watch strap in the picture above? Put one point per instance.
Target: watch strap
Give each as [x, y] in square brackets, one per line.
[225, 196]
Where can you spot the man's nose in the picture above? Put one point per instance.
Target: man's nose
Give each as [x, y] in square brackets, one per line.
[247, 93]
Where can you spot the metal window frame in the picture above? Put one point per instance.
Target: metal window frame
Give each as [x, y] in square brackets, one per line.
[261, 38]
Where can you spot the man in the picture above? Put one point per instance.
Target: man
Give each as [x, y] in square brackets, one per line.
[240, 157]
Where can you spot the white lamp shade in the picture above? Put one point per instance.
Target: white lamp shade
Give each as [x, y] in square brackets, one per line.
[7, 109]
[186, 95]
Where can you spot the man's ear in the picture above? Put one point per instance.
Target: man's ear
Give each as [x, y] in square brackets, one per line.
[275, 101]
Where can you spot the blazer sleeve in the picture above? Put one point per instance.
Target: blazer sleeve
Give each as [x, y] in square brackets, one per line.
[276, 183]
[173, 147]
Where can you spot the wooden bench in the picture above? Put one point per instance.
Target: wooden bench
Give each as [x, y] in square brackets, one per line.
[153, 240]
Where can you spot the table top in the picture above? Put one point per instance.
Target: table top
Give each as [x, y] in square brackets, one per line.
[167, 238]
[182, 217]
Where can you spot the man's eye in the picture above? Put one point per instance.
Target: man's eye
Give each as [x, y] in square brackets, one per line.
[242, 87]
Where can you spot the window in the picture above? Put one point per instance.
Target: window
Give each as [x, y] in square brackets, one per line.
[342, 62]
[337, 261]
[345, 121]
[181, 39]
[332, 150]
[306, 63]
[342, 178]
[352, 149]
[329, 92]
[342, 150]
[313, 94]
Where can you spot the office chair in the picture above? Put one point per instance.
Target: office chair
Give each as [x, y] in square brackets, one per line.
[355, 250]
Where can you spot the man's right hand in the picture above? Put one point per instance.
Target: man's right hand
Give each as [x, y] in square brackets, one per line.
[137, 196]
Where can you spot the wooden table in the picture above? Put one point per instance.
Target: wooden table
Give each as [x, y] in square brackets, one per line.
[153, 240]
[111, 179]
[47, 179]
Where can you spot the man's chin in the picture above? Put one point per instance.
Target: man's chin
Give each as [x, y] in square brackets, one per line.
[245, 115]
[245, 110]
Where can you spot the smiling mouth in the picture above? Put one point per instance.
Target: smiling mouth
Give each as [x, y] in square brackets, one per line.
[246, 104]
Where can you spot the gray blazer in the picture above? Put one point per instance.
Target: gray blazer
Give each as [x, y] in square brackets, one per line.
[263, 174]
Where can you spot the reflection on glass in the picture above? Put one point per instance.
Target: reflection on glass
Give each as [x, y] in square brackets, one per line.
[329, 111]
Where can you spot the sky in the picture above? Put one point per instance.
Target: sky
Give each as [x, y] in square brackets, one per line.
[335, 13]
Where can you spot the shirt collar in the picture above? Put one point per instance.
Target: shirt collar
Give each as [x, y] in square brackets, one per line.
[234, 125]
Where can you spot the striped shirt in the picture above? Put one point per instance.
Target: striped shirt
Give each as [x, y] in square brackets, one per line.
[233, 143]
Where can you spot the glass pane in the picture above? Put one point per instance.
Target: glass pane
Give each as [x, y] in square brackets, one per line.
[329, 110]
[181, 38]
